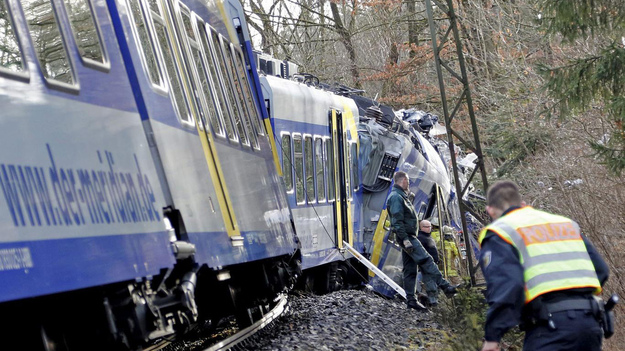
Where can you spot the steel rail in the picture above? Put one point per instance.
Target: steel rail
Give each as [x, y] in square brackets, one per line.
[242, 335]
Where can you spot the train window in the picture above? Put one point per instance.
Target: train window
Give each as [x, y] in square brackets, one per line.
[298, 155]
[310, 172]
[346, 167]
[240, 118]
[247, 91]
[10, 53]
[145, 44]
[203, 81]
[153, 5]
[214, 78]
[209, 102]
[186, 39]
[83, 24]
[321, 190]
[48, 41]
[287, 166]
[174, 80]
[221, 66]
[183, 62]
[241, 83]
[212, 111]
[422, 208]
[186, 22]
[329, 161]
[354, 162]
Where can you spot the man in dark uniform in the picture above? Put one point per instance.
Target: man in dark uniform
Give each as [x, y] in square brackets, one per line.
[425, 238]
[541, 272]
[404, 225]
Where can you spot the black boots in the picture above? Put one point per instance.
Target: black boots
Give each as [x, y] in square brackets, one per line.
[415, 305]
[451, 290]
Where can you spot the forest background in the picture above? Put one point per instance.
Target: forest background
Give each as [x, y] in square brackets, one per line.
[547, 81]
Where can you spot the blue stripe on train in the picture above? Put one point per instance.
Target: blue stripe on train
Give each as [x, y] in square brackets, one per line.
[216, 249]
[33, 268]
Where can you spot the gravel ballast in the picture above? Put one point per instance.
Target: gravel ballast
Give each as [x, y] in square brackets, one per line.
[348, 320]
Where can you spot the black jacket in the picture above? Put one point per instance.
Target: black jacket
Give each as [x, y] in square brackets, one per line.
[429, 244]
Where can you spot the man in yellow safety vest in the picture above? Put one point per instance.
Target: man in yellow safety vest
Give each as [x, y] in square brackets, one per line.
[541, 272]
[452, 256]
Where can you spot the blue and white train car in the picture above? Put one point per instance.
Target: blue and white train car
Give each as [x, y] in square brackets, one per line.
[140, 192]
[317, 140]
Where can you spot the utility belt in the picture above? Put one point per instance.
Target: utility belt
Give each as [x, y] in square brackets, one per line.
[541, 312]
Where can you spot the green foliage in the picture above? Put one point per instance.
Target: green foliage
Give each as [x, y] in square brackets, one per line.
[581, 18]
[578, 84]
[465, 315]
[595, 80]
[512, 141]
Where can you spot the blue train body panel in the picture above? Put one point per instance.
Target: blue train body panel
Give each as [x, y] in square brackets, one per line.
[225, 185]
[33, 268]
[81, 202]
[135, 167]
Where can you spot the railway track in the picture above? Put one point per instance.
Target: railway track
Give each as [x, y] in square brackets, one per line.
[281, 306]
[244, 334]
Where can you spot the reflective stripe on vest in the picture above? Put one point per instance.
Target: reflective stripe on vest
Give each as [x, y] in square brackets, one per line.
[551, 250]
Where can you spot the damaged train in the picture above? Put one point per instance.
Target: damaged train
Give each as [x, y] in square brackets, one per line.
[338, 151]
[139, 190]
[153, 182]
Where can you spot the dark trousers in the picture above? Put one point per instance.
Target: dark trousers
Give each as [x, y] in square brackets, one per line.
[432, 277]
[575, 331]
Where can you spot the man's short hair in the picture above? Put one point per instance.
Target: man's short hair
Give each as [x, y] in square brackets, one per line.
[399, 176]
[503, 194]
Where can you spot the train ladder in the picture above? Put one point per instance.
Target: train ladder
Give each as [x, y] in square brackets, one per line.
[377, 271]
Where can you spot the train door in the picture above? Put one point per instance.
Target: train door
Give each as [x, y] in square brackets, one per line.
[342, 180]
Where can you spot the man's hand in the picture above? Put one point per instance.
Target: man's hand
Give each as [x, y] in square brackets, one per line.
[408, 246]
[490, 346]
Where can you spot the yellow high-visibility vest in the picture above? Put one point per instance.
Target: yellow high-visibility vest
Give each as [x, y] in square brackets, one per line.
[451, 255]
[551, 250]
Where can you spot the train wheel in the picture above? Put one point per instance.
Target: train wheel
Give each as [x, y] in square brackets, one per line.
[339, 281]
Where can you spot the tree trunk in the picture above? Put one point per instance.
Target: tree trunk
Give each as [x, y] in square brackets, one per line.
[346, 39]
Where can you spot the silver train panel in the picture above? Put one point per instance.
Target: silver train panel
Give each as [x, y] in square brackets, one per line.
[297, 108]
[187, 176]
